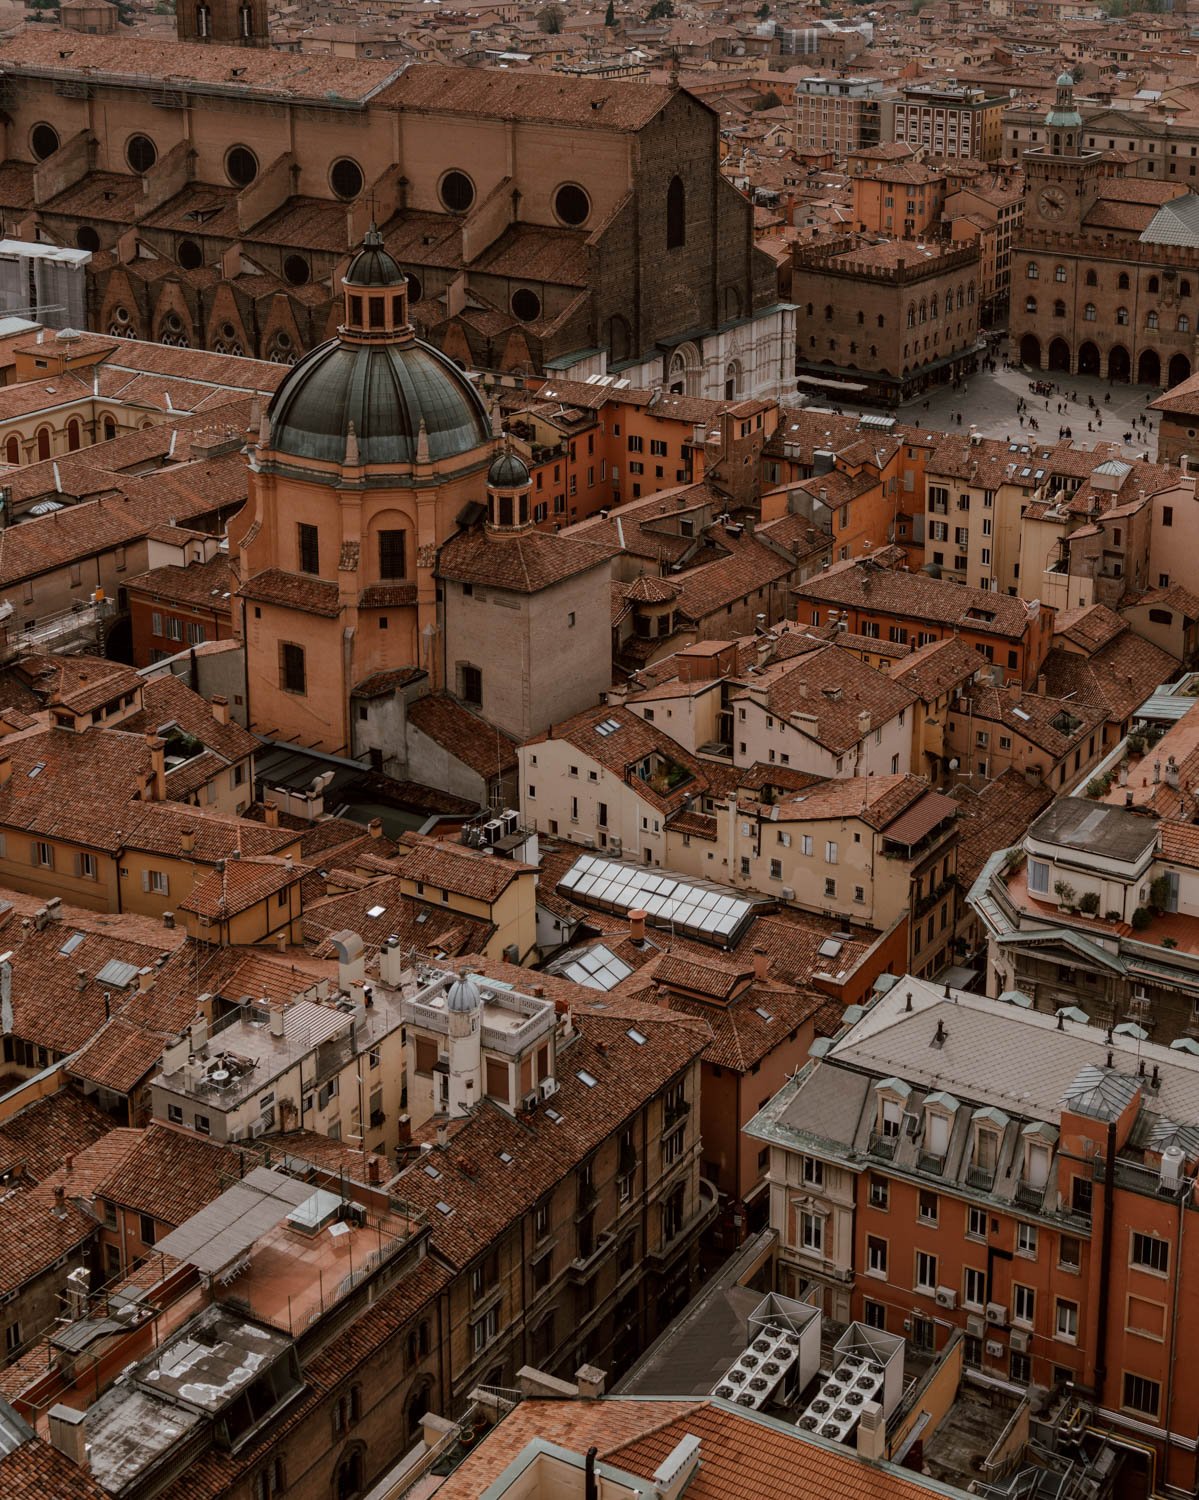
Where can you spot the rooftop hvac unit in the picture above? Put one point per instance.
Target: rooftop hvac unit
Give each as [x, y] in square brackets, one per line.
[510, 819]
[493, 830]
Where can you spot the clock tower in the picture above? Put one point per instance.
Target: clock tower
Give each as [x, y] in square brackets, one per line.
[1062, 179]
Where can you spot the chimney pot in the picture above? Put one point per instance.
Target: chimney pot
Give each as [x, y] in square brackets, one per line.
[272, 815]
[220, 710]
[637, 926]
[761, 963]
[375, 828]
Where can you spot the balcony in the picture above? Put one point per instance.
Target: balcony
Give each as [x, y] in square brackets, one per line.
[980, 1178]
[1028, 1195]
[709, 1206]
[882, 1145]
[586, 1265]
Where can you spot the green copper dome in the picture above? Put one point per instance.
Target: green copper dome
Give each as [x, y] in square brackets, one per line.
[386, 390]
[508, 472]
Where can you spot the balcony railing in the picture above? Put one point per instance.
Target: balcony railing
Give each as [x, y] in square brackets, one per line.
[1028, 1195]
[982, 1178]
[882, 1145]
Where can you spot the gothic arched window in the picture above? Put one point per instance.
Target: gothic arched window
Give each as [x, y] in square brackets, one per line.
[676, 214]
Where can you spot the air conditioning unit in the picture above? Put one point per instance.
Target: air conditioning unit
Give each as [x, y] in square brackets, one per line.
[975, 1325]
[528, 1102]
[588, 841]
[1020, 1340]
[994, 1348]
[237, 1133]
[259, 1127]
[946, 1297]
[493, 831]
[996, 1313]
[788, 893]
[549, 1087]
[615, 847]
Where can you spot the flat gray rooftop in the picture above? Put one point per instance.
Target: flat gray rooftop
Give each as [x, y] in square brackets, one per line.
[1077, 823]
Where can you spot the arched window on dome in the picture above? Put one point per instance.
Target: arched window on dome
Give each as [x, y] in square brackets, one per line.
[676, 214]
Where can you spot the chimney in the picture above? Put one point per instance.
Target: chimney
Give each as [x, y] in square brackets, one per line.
[54, 908]
[391, 963]
[351, 961]
[156, 784]
[145, 978]
[272, 815]
[1172, 772]
[591, 1382]
[761, 964]
[443, 1136]
[5, 769]
[277, 1020]
[375, 828]
[187, 840]
[675, 1472]
[1041, 685]
[199, 1033]
[637, 927]
[68, 1433]
[220, 710]
[404, 1130]
[863, 723]
[168, 920]
[81, 979]
[1014, 691]
[872, 1433]
[175, 1054]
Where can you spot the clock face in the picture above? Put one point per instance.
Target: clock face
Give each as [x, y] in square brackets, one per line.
[1052, 202]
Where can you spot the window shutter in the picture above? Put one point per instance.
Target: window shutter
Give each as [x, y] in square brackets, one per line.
[33, 852]
[145, 880]
[78, 864]
[166, 885]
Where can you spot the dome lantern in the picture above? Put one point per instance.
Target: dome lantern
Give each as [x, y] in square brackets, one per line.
[376, 293]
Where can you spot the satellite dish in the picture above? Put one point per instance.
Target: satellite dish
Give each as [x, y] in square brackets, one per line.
[219, 1075]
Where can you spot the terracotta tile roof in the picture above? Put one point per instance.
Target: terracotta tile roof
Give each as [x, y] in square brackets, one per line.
[453, 867]
[36, 1471]
[466, 735]
[1090, 627]
[1176, 597]
[234, 69]
[933, 670]
[487, 1194]
[716, 981]
[34, 1141]
[625, 748]
[522, 563]
[1052, 724]
[119, 1057]
[1115, 680]
[168, 700]
[1179, 843]
[379, 684]
[58, 1001]
[202, 585]
[79, 683]
[833, 688]
[747, 568]
[916, 596]
[423, 925]
[529, 95]
[321, 1152]
[38, 1230]
[241, 885]
[160, 828]
[173, 1173]
[995, 818]
[315, 596]
[744, 1457]
[876, 800]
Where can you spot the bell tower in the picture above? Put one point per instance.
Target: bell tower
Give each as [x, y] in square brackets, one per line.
[230, 23]
[1062, 179]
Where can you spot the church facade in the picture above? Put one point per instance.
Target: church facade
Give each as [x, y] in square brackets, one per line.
[1105, 273]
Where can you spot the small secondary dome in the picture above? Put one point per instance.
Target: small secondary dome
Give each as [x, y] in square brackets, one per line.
[508, 472]
[463, 995]
[1065, 81]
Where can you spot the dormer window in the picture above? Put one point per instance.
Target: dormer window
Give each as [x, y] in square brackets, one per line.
[891, 1097]
[988, 1128]
[1039, 1141]
[939, 1111]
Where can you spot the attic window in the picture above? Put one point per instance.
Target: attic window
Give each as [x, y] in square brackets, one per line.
[607, 727]
[584, 1077]
[36, 770]
[444, 1208]
[765, 1014]
[72, 943]
[375, 911]
[504, 1156]
[635, 1036]
[432, 1172]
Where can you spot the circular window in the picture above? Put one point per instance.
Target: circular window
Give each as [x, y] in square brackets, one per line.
[415, 290]
[173, 321]
[141, 153]
[526, 304]
[457, 192]
[228, 331]
[571, 204]
[283, 339]
[87, 238]
[345, 178]
[43, 141]
[189, 255]
[121, 314]
[297, 270]
[241, 166]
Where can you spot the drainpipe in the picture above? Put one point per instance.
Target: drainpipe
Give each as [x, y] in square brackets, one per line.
[1188, 1189]
[1105, 1261]
[591, 1488]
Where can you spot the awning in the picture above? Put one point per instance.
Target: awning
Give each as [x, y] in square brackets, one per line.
[829, 382]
